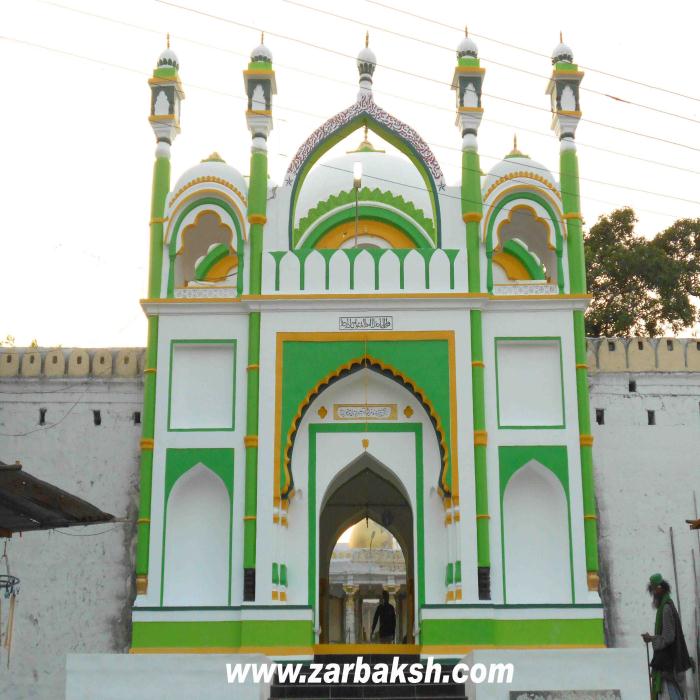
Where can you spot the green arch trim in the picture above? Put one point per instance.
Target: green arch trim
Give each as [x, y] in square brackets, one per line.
[373, 214]
[216, 254]
[526, 258]
[172, 246]
[392, 137]
[365, 195]
[533, 197]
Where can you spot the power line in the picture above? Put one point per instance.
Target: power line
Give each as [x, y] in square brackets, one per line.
[420, 76]
[489, 60]
[318, 116]
[533, 52]
[346, 82]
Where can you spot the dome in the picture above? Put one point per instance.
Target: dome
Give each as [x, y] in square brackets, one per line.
[261, 53]
[562, 52]
[467, 47]
[366, 60]
[361, 536]
[379, 171]
[213, 166]
[168, 58]
[516, 163]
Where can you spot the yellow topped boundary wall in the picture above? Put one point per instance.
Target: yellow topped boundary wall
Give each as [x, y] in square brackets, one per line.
[604, 355]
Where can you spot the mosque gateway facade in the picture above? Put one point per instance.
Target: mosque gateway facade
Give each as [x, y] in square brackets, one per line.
[361, 344]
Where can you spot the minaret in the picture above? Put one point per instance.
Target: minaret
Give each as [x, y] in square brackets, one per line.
[260, 87]
[166, 95]
[467, 82]
[366, 63]
[563, 89]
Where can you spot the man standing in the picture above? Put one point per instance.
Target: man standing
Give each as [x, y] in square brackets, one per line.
[386, 616]
[671, 659]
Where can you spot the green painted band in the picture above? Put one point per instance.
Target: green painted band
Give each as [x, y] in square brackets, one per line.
[161, 186]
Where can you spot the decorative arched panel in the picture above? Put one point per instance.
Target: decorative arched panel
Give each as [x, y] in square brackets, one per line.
[194, 239]
[535, 521]
[365, 112]
[197, 532]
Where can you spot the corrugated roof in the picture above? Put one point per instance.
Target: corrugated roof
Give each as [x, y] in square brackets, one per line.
[28, 503]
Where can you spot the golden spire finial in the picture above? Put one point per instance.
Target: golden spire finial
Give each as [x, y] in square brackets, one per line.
[515, 142]
[365, 132]
[167, 40]
[561, 37]
[466, 30]
[262, 37]
[366, 39]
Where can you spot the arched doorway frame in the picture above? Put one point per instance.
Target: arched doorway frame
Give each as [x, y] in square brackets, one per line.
[415, 501]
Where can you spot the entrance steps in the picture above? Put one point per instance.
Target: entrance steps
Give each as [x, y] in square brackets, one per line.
[369, 690]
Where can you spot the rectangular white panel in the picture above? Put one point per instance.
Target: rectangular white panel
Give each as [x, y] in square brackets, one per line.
[202, 386]
[529, 383]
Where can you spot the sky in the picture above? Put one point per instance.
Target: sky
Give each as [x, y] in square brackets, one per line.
[76, 147]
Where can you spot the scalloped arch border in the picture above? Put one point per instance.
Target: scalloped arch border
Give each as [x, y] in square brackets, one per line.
[365, 195]
[344, 370]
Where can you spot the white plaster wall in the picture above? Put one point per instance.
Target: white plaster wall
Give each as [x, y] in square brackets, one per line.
[645, 479]
[77, 588]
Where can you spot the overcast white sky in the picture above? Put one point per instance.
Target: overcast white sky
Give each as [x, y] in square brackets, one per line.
[76, 149]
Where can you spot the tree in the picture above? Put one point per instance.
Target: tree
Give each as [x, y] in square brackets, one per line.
[641, 286]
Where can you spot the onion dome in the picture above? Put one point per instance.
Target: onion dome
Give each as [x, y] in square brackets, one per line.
[361, 536]
[168, 58]
[517, 162]
[213, 167]
[562, 52]
[467, 47]
[380, 171]
[366, 60]
[261, 52]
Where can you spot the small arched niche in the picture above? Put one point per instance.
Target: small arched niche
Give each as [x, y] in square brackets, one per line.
[537, 560]
[207, 255]
[524, 249]
[197, 540]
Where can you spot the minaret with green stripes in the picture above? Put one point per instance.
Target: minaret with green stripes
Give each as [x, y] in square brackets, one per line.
[563, 89]
[467, 81]
[166, 94]
[260, 86]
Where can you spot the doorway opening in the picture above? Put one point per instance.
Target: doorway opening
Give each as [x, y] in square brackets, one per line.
[366, 549]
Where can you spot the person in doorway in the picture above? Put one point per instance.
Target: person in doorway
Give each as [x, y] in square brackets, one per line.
[385, 615]
[671, 659]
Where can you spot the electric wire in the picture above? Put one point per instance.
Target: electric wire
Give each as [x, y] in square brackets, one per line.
[318, 116]
[534, 52]
[507, 66]
[547, 135]
[395, 69]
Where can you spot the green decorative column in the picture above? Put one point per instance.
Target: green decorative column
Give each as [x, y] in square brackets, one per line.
[563, 89]
[260, 85]
[166, 94]
[467, 82]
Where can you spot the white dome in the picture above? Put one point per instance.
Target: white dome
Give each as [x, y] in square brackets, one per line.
[379, 171]
[467, 47]
[213, 168]
[168, 58]
[366, 61]
[517, 164]
[562, 52]
[261, 53]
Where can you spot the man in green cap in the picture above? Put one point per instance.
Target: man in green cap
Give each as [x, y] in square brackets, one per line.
[671, 659]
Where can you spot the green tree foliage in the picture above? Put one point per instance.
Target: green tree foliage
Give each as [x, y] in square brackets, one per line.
[641, 286]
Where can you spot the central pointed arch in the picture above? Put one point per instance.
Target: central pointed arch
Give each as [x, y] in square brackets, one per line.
[375, 365]
[365, 112]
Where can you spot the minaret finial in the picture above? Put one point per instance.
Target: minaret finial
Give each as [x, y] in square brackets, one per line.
[262, 37]
[167, 40]
[561, 37]
[515, 142]
[366, 39]
[466, 30]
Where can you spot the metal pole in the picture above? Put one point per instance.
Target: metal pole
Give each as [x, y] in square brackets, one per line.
[675, 577]
[651, 692]
[357, 212]
[697, 629]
